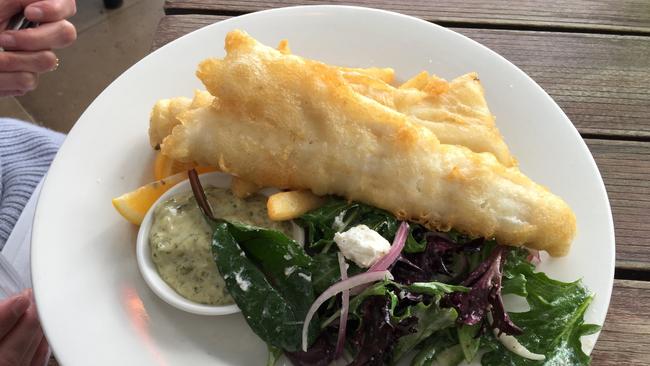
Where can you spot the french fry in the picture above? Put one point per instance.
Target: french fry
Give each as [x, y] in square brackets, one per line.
[289, 205]
[242, 188]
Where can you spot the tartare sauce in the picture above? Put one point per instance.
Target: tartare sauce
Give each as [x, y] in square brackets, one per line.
[180, 241]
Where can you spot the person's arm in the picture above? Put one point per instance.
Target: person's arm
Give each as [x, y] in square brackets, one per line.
[28, 52]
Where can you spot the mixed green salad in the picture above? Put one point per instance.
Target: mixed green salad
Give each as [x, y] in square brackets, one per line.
[434, 298]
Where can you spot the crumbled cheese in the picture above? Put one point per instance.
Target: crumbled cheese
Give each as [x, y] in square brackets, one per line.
[362, 245]
[338, 222]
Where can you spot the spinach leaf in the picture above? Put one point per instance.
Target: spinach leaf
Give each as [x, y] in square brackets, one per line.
[319, 223]
[514, 280]
[282, 260]
[514, 284]
[436, 289]
[274, 313]
[432, 346]
[430, 318]
[326, 272]
[378, 289]
[553, 325]
[412, 245]
[339, 215]
[267, 275]
[452, 356]
[469, 340]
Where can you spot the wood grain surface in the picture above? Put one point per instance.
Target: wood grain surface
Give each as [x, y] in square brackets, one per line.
[604, 15]
[625, 168]
[624, 165]
[600, 81]
[625, 339]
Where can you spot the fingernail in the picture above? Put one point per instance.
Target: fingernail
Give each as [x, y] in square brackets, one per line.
[7, 40]
[34, 13]
[20, 305]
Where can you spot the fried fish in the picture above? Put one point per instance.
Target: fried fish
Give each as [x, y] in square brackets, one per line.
[164, 115]
[284, 121]
[456, 111]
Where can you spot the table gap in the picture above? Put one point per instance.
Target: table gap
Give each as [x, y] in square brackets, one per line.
[631, 274]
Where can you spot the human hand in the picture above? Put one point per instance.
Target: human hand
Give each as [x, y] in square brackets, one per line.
[28, 52]
[21, 338]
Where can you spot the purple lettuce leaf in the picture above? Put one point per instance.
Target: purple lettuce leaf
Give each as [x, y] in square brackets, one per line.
[377, 336]
[321, 353]
[442, 259]
[484, 295]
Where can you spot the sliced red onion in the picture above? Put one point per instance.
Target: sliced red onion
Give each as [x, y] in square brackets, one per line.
[345, 300]
[395, 250]
[354, 281]
[533, 257]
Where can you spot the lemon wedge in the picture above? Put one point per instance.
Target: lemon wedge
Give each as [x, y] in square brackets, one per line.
[134, 205]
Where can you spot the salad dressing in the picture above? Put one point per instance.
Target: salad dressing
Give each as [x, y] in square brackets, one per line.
[180, 241]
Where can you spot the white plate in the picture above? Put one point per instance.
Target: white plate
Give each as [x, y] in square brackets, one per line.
[94, 305]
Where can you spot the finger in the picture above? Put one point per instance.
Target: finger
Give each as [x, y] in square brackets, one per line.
[11, 8]
[37, 337]
[40, 61]
[50, 10]
[22, 81]
[30, 350]
[12, 309]
[19, 341]
[44, 37]
[40, 356]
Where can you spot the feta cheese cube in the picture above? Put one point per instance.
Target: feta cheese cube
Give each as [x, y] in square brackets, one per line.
[362, 245]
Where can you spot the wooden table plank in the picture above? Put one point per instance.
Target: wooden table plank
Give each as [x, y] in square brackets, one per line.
[600, 81]
[625, 338]
[604, 15]
[175, 26]
[625, 165]
[625, 168]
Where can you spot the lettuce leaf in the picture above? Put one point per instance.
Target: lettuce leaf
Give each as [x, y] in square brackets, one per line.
[553, 325]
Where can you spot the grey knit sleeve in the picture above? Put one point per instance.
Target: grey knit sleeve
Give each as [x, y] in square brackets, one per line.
[26, 152]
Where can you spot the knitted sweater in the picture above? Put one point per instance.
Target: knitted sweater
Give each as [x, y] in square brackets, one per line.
[26, 152]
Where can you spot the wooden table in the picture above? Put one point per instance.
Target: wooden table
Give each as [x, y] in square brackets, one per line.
[593, 58]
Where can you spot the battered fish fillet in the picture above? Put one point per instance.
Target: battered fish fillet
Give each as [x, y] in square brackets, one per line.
[164, 114]
[283, 121]
[385, 74]
[456, 112]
